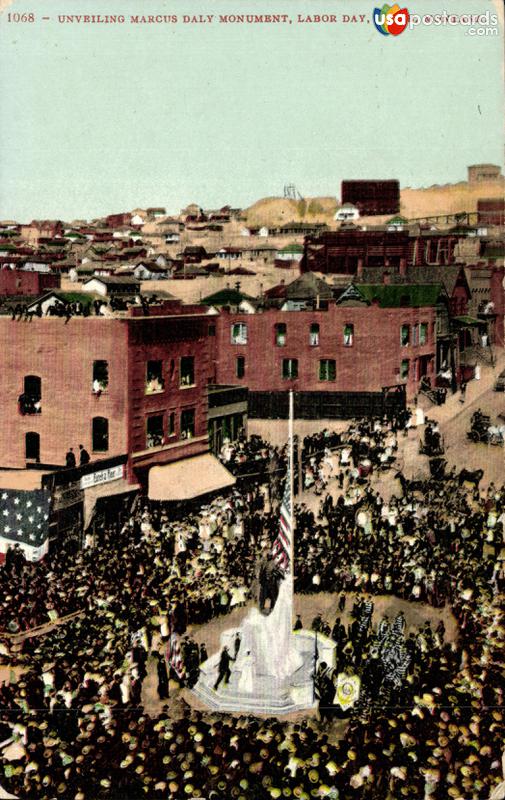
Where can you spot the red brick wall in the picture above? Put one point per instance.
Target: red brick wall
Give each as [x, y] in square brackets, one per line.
[19, 282]
[62, 356]
[497, 292]
[167, 340]
[371, 363]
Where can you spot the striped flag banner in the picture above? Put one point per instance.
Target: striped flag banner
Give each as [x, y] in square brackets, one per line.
[281, 549]
[24, 521]
[174, 656]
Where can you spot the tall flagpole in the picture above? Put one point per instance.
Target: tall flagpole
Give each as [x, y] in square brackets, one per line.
[291, 464]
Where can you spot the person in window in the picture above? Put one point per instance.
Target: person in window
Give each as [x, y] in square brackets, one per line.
[83, 455]
[97, 387]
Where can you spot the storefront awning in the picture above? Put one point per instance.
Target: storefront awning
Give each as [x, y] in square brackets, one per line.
[112, 489]
[188, 478]
[468, 322]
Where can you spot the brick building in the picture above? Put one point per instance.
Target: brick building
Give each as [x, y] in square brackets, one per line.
[339, 359]
[132, 389]
[483, 172]
[491, 211]
[372, 197]
[18, 282]
[346, 252]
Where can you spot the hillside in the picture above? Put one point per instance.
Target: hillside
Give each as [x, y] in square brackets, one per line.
[432, 201]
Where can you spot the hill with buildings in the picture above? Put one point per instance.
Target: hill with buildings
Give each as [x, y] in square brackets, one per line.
[431, 201]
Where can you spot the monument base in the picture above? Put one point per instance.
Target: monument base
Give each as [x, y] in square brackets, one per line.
[266, 694]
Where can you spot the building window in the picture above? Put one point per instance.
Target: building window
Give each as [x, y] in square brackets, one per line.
[154, 430]
[423, 332]
[405, 335]
[187, 371]
[404, 369]
[289, 369]
[240, 366]
[314, 335]
[187, 423]
[348, 335]
[154, 377]
[30, 400]
[414, 335]
[239, 333]
[32, 446]
[100, 434]
[327, 369]
[171, 424]
[212, 330]
[100, 377]
[280, 334]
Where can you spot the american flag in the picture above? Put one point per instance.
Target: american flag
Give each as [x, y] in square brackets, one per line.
[24, 516]
[281, 549]
[174, 655]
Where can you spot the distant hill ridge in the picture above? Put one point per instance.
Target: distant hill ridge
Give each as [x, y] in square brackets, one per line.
[449, 198]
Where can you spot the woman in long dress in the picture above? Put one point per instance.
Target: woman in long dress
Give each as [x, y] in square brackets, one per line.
[245, 683]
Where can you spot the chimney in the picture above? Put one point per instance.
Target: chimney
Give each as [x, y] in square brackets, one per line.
[403, 266]
[386, 277]
[359, 270]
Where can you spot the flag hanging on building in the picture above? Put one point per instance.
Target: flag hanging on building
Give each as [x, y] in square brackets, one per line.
[24, 520]
[174, 656]
[281, 549]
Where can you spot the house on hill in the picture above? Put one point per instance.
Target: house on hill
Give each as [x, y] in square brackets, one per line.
[307, 291]
[346, 212]
[232, 299]
[112, 286]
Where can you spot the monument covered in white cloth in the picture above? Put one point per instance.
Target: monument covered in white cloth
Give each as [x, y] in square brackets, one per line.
[273, 672]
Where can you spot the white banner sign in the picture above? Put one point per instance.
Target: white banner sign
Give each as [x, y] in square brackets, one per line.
[104, 476]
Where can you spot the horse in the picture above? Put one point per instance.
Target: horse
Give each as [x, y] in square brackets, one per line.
[468, 476]
[409, 486]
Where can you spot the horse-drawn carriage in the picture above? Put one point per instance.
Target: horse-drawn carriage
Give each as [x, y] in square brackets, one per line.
[481, 429]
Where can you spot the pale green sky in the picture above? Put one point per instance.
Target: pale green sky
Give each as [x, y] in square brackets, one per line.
[102, 118]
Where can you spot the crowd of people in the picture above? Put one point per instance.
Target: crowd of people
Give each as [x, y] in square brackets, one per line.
[76, 713]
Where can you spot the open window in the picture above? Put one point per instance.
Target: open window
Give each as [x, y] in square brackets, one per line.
[404, 369]
[314, 335]
[100, 434]
[327, 369]
[187, 371]
[423, 332]
[100, 376]
[154, 430]
[30, 399]
[240, 366]
[405, 335]
[188, 423]
[348, 335]
[239, 333]
[289, 369]
[280, 334]
[154, 377]
[32, 446]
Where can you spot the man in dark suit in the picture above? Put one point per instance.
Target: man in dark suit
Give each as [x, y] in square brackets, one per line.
[224, 667]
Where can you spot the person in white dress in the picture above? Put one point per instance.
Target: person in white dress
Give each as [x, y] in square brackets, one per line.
[245, 683]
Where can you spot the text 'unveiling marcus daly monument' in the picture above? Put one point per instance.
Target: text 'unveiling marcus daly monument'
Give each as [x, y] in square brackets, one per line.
[273, 671]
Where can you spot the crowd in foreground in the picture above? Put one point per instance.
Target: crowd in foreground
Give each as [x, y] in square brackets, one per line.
[77, 716]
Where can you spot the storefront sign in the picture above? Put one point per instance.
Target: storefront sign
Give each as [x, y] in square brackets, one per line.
[104, 476]
[65, 497]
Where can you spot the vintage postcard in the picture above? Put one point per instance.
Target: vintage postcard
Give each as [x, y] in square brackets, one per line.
[252, 380]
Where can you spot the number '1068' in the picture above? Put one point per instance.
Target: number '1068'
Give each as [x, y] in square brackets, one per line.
[20, 17]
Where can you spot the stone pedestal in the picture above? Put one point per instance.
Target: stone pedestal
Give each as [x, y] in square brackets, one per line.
[266, 694]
